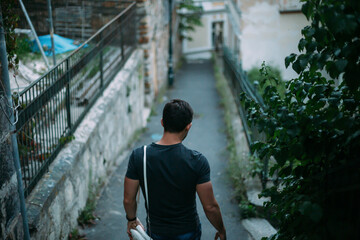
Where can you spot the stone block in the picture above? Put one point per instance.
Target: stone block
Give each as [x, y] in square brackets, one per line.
[258, 228]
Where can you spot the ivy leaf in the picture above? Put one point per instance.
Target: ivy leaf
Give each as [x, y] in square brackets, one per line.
[311, 210]
[308, 32]
[341, 64]
[316, 212]
[311, 46]
[307, 10]
[296, 66]
[289, 59]
[300, 64]
[302, 44]
[303, 60]
[333, 68]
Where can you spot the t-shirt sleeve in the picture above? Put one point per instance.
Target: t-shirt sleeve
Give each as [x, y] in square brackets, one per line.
[204, 170]
[131, 170]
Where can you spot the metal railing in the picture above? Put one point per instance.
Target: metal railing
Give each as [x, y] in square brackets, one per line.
[240, 83]
[53, 106]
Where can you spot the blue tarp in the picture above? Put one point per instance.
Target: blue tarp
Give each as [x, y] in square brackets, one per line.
[61, 44]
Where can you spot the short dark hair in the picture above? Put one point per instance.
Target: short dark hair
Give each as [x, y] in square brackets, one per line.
[177, 114]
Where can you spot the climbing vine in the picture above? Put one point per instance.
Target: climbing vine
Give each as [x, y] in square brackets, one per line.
[313, 132]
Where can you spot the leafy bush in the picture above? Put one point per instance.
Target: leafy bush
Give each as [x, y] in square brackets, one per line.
[10, 20]
[23, 46]
[256, 77]
[314, 131]
[248, 210]
[190, 17]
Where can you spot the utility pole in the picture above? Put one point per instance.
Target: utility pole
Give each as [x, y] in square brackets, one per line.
[170, 60]
[51, 31]
[10, 114]
[35, 35]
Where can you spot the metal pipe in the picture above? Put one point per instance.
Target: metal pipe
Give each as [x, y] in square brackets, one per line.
[35, 35]
[6, 80]
[51, 31]
[170, 61]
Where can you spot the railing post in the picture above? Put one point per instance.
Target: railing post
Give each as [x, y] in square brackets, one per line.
[101, 62]
[68, 110]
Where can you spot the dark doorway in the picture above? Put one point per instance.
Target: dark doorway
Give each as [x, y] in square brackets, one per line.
[217, 35]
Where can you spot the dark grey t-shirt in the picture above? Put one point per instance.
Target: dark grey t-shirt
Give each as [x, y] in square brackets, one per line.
[172, 173]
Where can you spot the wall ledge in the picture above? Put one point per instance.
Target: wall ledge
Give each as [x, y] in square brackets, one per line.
[62, 169]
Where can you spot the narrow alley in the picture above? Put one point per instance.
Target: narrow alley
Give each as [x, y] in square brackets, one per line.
[194, 83]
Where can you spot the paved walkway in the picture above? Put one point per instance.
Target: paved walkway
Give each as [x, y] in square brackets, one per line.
[194, 83]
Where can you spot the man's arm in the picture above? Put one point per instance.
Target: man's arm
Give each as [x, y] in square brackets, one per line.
[130, 189]
[211, 208]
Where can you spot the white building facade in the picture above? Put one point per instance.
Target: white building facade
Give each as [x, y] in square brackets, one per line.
[211, 35]
[269, 30]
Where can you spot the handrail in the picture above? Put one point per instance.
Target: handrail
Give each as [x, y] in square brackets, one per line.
[55, 104]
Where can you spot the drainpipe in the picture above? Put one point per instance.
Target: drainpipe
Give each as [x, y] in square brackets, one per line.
[5, 77]
[35, 35]
[170, 61]
[51, 31]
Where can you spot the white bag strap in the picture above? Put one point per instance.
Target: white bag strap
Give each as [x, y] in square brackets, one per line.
[146, 190]
[145, 179]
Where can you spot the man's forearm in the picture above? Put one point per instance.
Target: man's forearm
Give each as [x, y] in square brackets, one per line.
[130, 208]
[215, 218]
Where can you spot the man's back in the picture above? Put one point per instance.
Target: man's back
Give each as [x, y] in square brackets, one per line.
[174, 174]
[173, 171]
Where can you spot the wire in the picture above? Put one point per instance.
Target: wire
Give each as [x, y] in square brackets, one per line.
[4, 137]
[14, 109]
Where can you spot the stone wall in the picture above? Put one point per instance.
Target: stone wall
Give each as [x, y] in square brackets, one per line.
[9, 199]
[154, 41]
[84, 164]
[10, 227]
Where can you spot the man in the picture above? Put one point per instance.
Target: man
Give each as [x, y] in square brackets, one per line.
[174, 174]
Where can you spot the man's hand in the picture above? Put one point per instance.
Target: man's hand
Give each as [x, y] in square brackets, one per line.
[132, 225]
[130, 189]
[222, 236]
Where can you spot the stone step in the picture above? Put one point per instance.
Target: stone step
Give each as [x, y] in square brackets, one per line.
[253, 197]
[258, 228]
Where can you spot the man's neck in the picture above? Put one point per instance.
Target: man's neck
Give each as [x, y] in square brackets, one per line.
[170, 138]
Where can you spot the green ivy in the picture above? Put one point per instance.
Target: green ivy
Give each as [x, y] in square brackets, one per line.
[313, 132]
